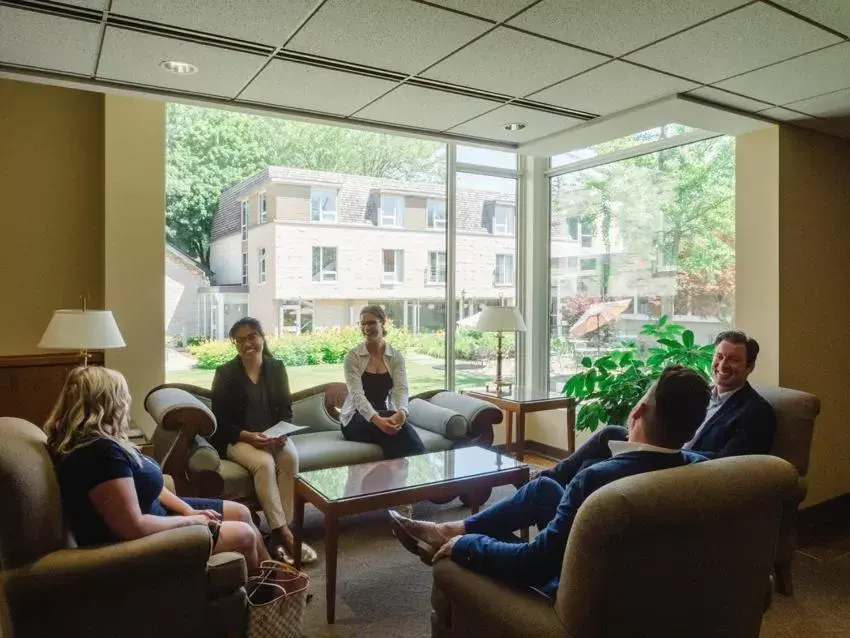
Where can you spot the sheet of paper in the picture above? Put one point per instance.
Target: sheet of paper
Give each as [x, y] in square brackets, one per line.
[283, 429]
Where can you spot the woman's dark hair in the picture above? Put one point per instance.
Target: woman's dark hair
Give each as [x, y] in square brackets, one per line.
[256, 326]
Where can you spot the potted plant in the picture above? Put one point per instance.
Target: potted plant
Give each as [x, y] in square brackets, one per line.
[610, 386]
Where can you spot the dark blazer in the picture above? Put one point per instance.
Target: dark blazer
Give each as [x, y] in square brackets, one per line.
[230, 400]
[538, 563]
[744, 424]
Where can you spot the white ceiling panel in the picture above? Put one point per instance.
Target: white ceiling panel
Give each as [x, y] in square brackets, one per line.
[831, 105]
[833, 13]
[537, 124]
[617, 26]
[612, 87]
[265, 21]
[99, 5]
[388, 34]
[425, 108]
[782, 115]
[813, 74]
[839, 126]
[129, 56]
[507, 61]
[315, 89]
[735, 43]
[61, 44]
[496, 10]
[732, 100]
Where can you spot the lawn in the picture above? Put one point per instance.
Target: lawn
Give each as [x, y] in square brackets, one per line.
[420, 377]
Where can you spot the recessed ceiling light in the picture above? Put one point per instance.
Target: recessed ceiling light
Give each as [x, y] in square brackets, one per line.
[178, 67]
[514, 126]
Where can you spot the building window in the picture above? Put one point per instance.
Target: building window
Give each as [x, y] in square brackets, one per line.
[244, 220]
[504, 274]
[392, 210]
[587, 265]
[504, 220]
[580, 230]
[393, 266]
[436, 273]
[323, 204]
[244, 269]
[264, 215]
[262, 269]
[324, 263]
[572, 229]
[437, 214]
[587, 233]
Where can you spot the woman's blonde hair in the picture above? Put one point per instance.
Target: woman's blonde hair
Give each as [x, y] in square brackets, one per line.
[94, 404]
[378, 312]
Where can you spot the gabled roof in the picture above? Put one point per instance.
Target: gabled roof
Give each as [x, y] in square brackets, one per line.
[356, 197]
[185, 259]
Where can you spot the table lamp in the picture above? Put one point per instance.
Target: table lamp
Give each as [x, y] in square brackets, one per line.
[500, 319]
[82, 330]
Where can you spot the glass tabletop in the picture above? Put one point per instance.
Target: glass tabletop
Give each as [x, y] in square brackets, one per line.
[520, 393]
[340, 483]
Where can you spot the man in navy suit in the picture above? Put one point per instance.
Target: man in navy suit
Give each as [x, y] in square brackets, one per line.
[666, 417]
[738, 420]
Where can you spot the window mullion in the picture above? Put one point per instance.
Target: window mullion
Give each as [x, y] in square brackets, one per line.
[451, 245]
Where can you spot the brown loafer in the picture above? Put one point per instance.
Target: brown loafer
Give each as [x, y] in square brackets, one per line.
[410, 542]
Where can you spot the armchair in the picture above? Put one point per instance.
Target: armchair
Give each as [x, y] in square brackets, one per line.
[649, 555]
[165, 583]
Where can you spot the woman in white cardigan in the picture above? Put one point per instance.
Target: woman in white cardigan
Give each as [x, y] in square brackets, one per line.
[375, 410]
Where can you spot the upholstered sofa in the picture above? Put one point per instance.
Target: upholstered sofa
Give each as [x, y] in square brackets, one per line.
[681, 552]
[163, 584]
[443, 420]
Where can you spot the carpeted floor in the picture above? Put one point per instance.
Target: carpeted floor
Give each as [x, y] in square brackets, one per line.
[382, 590]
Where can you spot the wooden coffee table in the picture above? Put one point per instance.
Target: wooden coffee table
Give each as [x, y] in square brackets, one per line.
[354, 489]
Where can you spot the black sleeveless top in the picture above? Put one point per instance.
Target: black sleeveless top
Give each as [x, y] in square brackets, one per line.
[376, 387]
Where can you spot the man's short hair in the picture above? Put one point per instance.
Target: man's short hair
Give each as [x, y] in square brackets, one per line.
[737, 336]
[678, 402]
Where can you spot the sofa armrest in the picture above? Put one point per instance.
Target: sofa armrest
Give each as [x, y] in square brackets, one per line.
[437, 419]
[491, 606]
[481, 415]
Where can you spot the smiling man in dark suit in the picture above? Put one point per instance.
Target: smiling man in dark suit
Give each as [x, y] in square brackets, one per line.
[738, 420]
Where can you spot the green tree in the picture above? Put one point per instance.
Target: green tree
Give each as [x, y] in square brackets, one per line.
[210, 150]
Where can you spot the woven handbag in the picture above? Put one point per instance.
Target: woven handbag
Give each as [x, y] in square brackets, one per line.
[276, 601]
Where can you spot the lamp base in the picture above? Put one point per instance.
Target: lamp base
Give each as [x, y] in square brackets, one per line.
[497, 386]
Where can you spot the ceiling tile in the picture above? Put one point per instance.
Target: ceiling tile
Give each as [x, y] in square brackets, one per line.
[838, 126]
[313, 88]
[388, 34]
[724, 98]
[819, 72]
[63, 44]
[613, 87]
[268, 22]
[424, 108]
[734, 43]
[834, 14]
[496, 10]
[134, 57]
[781, 115]
[831, 105]
[615, 26]
[513, 63]
[492, 125]
[98, 5]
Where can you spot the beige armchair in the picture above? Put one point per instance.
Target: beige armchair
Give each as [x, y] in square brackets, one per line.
[165, 584]
[681, 552]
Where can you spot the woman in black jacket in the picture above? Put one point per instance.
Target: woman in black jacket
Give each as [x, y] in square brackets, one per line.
[250, 394]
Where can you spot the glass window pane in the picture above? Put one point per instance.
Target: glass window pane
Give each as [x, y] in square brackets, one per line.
[485, 157]
[654, 233]
[630, 141]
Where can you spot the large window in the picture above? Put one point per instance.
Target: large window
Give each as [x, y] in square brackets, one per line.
[393, 272]
[504, 274]
[436, 271]
[324, 263]
[392, 210]
[323, 204]
[633, 240]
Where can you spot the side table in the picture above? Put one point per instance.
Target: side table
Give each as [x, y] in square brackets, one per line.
[520, 401]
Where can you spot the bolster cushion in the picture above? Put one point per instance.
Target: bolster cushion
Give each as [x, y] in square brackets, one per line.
[203, 456]
[444, 421]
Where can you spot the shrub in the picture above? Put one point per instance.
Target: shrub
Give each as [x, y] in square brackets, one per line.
[212, 354]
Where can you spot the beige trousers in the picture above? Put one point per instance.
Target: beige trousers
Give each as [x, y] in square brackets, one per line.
[274, 471]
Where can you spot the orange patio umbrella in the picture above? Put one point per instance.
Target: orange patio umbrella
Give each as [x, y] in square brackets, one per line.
[598, 315]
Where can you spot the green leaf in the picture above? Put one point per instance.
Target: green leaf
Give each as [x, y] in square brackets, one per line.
[662, 320]
[627, 357]
[670, 343]
[688, 338]
[587, 362]
[606, 363]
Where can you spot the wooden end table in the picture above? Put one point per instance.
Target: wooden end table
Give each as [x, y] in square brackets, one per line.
[354, 489]
[520, 401]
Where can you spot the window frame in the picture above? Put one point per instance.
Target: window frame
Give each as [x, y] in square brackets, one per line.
[327, 216]
[396, 275]
[431, 220]
[320, 277]
[509, 225]
[262, 263]
[244, 267]
[430, 271]
[244, 212]
[497, 270]
[584, 270]
[382, 215]
[262, 205]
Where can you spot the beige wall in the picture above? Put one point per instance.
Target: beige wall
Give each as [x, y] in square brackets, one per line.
[134, 231]
[793, 275]
[51, 169]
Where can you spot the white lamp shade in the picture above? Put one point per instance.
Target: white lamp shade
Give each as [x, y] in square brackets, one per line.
[500, 319]
[82, 330]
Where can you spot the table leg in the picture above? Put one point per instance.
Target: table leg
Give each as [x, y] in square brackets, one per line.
[509, 431]
[520, 435]
[298, 529]
[331, 537]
